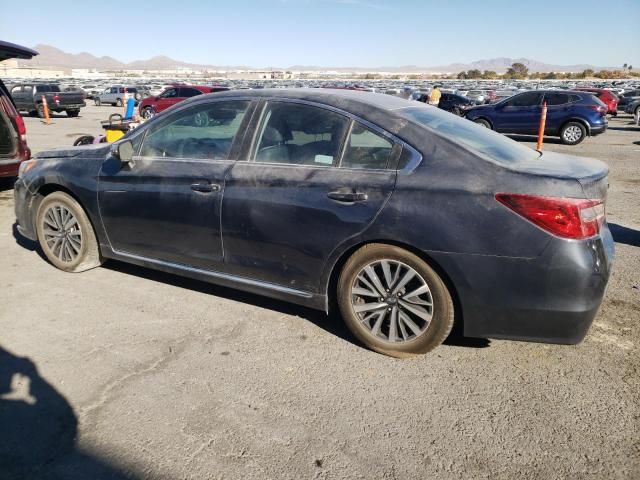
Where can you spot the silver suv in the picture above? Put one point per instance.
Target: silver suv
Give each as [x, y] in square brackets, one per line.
[115, 95]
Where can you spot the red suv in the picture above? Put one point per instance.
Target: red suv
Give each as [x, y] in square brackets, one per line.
[13, 139]
[607, 97]
[175, 94]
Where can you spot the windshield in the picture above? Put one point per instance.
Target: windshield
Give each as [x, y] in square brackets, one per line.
[479, 139]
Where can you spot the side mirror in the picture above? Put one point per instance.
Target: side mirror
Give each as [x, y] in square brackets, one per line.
[123, 151]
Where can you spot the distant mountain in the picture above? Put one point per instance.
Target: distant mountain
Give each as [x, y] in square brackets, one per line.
[52, 57]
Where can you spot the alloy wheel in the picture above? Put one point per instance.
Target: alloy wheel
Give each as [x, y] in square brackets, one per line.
[392, 301]
[62, 233]
[572, 133]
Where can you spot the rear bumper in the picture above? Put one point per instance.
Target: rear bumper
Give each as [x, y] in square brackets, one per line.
[22, 204]
[9, 168]
[598, 129]
[553, 298]
[62, 108]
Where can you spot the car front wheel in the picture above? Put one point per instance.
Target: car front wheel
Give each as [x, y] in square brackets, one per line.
[393, 301]
[65, 234]
[572, 133]
[483, 122]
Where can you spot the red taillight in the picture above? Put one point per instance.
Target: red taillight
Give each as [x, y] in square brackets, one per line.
[56, 98]
[599, 109]
[22, 130]
[565, 217]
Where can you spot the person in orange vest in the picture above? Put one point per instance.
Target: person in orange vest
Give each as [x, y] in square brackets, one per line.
[434, 96]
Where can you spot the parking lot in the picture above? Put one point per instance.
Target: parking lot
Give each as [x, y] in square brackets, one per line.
[143, 374]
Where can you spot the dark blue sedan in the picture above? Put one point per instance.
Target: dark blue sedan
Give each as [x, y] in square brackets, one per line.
[572, 116]
[405, 217]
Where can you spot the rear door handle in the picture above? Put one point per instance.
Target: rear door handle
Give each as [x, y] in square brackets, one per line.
[205, 187]
[350, 197]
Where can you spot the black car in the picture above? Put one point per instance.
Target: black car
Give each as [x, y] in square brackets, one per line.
[405, 216]
[453, 103]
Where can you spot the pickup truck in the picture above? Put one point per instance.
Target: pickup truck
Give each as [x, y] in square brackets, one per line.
[28, 97]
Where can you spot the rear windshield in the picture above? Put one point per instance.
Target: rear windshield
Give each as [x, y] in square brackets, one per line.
[481, 140]
[47, 88]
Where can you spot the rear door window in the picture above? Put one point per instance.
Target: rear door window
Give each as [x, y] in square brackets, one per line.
[556, 99]
[300, 134]
[189, 92]
[366, 149]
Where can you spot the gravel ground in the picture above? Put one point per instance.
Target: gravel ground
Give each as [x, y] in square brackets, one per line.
[123, 372]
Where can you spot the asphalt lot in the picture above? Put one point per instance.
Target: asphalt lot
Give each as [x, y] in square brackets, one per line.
[123, 372]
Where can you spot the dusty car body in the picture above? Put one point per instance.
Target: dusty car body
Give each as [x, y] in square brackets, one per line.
[446, 203]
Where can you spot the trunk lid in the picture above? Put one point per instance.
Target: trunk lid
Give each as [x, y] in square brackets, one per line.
[591, 174]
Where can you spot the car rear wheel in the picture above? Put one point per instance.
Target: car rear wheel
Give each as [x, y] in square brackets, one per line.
[572, 133]
[40, 111]
[73, 113]
[148, 112]
[66, 235]
[118, 102]
[483, 122]
[393, 302]
[97, 102]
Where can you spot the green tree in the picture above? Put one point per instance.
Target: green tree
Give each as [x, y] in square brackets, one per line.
[517, 70]
[489, 75]
[462, 76]
[474, 73]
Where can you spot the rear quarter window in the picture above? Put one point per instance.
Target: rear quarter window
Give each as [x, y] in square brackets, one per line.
[480, 140]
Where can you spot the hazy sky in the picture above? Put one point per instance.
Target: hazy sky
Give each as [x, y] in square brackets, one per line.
[366, 33]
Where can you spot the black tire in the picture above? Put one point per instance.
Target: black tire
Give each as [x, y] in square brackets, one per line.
[434, 333]
[148, 112]
[84, 140]
[88, 255]
[73, 113]
[483, 122]
[572, 133]
[118, 102]
[137, 96]
[40, 111]
[97, 102]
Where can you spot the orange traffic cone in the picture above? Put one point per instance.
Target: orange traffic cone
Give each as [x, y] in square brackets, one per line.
[543, 121]
[45, 107]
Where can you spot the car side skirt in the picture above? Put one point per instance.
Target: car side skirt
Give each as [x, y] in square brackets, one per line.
[279, 292]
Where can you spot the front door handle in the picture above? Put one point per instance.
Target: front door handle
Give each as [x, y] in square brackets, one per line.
[205, 187]
[350, 197]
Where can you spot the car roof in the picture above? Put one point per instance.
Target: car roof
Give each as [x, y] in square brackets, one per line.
[333, 97]
[11, 50]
